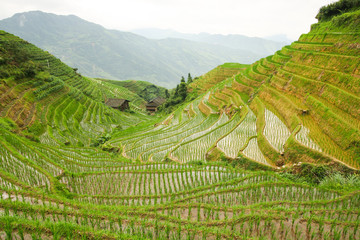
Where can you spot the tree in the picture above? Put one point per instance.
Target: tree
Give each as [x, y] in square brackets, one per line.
[337, 8]
[182, 79]
[167, 94]
[182, 91]
[178, 96]
[176, 90]
[189, 80]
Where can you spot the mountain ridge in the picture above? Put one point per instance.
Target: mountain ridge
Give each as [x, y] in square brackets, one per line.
[261, 46]
[123, 55]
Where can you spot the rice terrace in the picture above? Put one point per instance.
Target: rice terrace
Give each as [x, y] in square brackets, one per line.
[269, 150]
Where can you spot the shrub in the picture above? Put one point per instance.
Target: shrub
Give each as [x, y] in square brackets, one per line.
[29, 69]
[31, 137]
[101, 140]
[307, 172]
[339, 181]
[37, 128]
[7, 123]
[337, 8]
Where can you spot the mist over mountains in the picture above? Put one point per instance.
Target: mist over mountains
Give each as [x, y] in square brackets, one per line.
[112, 54]
[260, 46]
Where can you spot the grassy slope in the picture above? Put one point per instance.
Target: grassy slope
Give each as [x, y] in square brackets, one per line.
[219, 74]
[311, 86]
[39, 91]
[143, 89]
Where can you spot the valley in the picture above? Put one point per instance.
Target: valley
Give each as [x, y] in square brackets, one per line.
[268, 150]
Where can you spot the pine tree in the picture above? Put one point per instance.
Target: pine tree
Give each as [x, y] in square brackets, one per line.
[176, 90]
[182, 79]
[182, 92]
[189, 80]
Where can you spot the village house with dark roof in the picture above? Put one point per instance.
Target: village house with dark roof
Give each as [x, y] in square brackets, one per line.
[121, 104]
[154, 104]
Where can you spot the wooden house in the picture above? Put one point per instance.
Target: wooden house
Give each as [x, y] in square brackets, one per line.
[121, 104]
[154, 104]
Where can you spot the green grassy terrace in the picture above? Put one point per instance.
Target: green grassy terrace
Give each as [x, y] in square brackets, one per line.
[269, 150]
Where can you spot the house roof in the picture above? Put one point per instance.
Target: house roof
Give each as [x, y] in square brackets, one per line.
[156, 102]
[115, 102]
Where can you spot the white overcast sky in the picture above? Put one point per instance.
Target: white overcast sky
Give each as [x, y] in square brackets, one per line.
[258, 18]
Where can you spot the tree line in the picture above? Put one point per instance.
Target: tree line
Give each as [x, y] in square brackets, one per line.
[179, 94]
[337, 8]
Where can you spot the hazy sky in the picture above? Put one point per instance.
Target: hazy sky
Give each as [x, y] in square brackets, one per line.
[248, 17]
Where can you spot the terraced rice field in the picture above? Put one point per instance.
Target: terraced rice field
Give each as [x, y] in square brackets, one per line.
[112, 198]
[73, 168]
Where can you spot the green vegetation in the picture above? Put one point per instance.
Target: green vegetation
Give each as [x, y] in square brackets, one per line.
[203, 83]
[8, 124]
[337, 8]
[234, 65]
[346, 23]
[265, 151]
[145, 90]
[178, 96]
[68, 107]
[189, 79]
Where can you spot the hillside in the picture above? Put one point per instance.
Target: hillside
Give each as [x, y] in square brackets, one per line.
[110, 54]
[217, 75]
[299, 105]
[50, 102]
[144, 90]
[267, 151]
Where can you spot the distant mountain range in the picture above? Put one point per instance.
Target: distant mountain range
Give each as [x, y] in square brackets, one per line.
[260, 46]
[113, 54]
